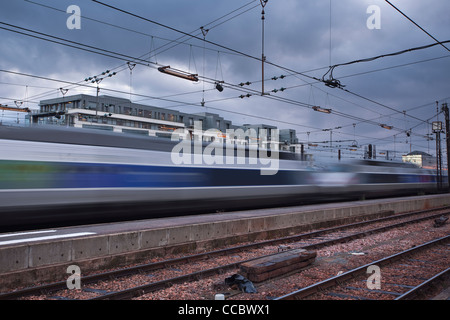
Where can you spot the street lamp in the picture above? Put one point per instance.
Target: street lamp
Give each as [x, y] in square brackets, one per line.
[385, 126]
[319, 109]
[178, 73]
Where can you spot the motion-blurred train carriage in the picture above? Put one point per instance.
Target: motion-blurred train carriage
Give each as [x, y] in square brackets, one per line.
[63, 176]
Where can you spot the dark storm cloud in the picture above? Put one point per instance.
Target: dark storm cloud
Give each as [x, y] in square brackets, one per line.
[297, 36]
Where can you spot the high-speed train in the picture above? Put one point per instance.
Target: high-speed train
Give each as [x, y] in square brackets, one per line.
[57, 176]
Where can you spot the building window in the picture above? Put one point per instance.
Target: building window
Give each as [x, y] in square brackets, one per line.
[109, 108]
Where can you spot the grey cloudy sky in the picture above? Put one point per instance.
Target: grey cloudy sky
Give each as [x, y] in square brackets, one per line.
[300, 36]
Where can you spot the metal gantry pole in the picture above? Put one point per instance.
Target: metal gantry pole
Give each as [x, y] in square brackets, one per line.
[437, 128]
[439, 159]
[63, 92]
[447, 138]
[263, 57]
[131, 67]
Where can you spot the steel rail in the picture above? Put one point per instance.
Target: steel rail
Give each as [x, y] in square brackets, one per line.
[411, 294]
[133, 292]
[336, 280]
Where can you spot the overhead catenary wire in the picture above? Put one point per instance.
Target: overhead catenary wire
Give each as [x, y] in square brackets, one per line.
[169, 41]
[360, 120]
[81, 46]
[219, 99]
[296, 73]
[145, 96]
[437, 41]
[229, 16]
[171, 100]
[293, 102]
[389, 54]
[77, 45]
[336, 83]
[347, 76]
[305, 105]
[152, 21]
[199, 38]
[73, 44]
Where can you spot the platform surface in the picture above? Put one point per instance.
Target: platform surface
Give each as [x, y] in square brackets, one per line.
[56, 234]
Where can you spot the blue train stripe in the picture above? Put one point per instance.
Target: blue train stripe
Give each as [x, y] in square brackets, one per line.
[35, 174]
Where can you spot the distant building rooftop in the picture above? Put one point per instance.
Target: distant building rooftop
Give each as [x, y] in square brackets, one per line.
[421, 159]
[419, 153]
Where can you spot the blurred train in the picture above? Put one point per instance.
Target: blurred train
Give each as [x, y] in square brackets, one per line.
[54, 176]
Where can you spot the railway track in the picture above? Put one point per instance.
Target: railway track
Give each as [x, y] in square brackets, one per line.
[399, 272]
[165, 274]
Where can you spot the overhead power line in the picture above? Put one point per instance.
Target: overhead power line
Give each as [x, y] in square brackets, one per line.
[289, 101]
[72, 44]
[334, 83]
[329, 83]
[203, 39]
[438, 42]
[181, 103]
[169, 41]
[293, 102]
[389, 54]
